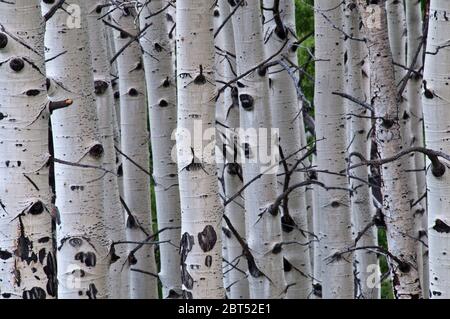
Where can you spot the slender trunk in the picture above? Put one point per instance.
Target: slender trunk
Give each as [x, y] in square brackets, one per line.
[118, 279]
[162, 100]
[280, 30]
[83, 246]
[436, 103]
[27, 252]
[135, 145]
[263, 225]
[201, 242]
[414, 59]
[396, 199]
[335, 212]
[230, 170]
[359, 124]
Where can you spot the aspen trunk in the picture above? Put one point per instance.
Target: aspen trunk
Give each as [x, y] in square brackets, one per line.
[104, 97]
[135, 145]
[436, 102]
[396, 199]
[334, 210]
[263, 226]
[359, 124]
[230, 170]
[201, 243]
[83, 246]
[27, 252]
[162, 100]
[280, 28]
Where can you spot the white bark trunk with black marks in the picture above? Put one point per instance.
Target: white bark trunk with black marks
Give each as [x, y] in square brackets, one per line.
[396, 197]
[230, 170]
[162, 100]
[201, 212]
[27, 255]
[118, 279]
[334, 210]
[83, 246]
[280, 28]
[263, 228]
[135, 145]
[359, 141]
[436, 107]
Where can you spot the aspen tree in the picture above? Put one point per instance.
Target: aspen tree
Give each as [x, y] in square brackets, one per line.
[263, 224]
[334, 204]
[135, 146]
[280, 30]
[230, 170]
[162, 100]
[396, 200]
[27, 254]
[83, 246]
[436, 101]
[201, 242]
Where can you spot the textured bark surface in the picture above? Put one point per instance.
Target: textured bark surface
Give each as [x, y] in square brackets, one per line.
[436, 102]
[135, 145]
[396, 197]
[27, 252]
[162, 100]
[359, 124]
[230, 170]
[83, 246]
[335, 214]
[287, 116]
[201, 242]
[263, 228]
[104, 97]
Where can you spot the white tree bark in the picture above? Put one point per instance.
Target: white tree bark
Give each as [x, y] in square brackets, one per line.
[396, 199]
[335, 213]
[414, 58]
[230, 170]
[201, 243]
[27, 256]
[280, 27]
[436, 102]
[118, 279]
[135, 145]
[359, 124]
[162, 100]
[263, 226]
[83, 246]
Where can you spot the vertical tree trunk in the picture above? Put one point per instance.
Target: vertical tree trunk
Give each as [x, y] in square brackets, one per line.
[280, 28]
[162, 100]
[436, 102]
[83, 245]
[118, 279]
[396, 199]
[201, 243]
[263, 226]
[135, 145]
[359, 124]
[414, 59]
[335, 213]
[230, 170]
[27, 252]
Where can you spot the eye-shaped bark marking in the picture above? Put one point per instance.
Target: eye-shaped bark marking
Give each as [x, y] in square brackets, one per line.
[187, 242]
[3, 40]
[286, 265]
[208, 261]
[92, 292]
[100, 87]
[16, 64]
[50, 271]
[441, 227]
[247, 102]
[207, 238]
[89, 258]
[34, 293]
[5, 255]
[96, 151]
[186, 278]
[287, 223]
[37, 208]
